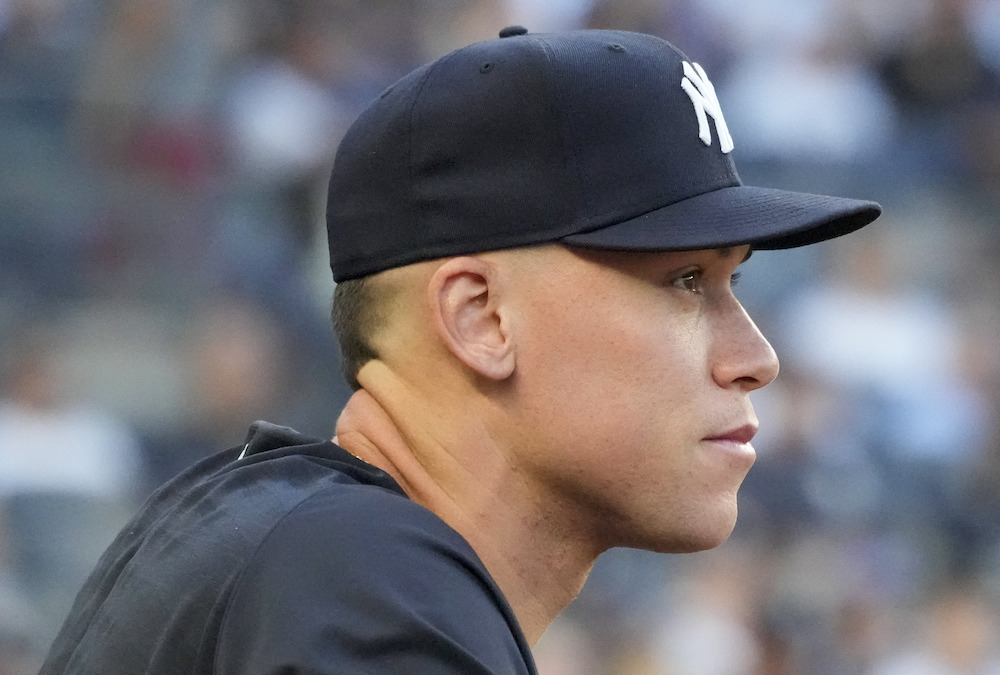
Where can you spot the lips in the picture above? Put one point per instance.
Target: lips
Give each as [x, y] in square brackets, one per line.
[743, 435]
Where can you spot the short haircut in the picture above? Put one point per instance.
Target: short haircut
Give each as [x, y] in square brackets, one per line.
[356, 318]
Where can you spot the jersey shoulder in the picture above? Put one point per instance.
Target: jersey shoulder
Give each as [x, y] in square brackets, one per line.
[362, 580]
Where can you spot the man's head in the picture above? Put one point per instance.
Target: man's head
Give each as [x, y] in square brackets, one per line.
[547, 226]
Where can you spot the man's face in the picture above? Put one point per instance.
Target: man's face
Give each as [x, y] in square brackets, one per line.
[632, 379]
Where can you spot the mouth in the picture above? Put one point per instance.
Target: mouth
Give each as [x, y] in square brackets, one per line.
[734, 445]
[740, 435]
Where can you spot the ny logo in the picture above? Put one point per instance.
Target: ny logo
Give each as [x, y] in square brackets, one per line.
[706, 104]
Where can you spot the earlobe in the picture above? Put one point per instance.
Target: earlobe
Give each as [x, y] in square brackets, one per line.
[464, 297]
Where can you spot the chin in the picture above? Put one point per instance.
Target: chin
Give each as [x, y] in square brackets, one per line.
[705, 542]
[701, 535]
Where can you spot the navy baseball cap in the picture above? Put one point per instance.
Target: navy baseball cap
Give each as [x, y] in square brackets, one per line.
[595, 138]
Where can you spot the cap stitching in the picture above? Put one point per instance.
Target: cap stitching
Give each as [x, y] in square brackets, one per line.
[417, 208]
[569, 147]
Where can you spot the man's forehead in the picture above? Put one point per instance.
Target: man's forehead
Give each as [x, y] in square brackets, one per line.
[547, 259]
[729, 251]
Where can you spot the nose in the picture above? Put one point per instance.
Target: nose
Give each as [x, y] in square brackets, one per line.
[743, 357]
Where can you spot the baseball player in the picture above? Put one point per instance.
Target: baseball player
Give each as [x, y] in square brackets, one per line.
[534, 239]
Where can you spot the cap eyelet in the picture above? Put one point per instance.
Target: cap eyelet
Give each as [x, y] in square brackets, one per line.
[615, 47]
[486, 67]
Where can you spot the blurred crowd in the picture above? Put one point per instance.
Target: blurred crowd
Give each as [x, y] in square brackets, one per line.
[163, 284]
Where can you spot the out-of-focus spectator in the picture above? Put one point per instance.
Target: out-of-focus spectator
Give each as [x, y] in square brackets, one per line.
[802, 92]
[818, 105]
[132, 106]
[956, 633]
[566, 649]
[68, 474]
[643, 16]
[945, 87]
[450, 24]
[233, 375]
[938, 66]
[51, 444]
[809, 473]
[707, 626]
[871, 330]
[551, 15]
[281, 117]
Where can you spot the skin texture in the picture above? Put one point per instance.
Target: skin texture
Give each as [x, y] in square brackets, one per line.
[551, 403]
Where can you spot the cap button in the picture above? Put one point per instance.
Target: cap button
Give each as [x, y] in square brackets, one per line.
[510, 31]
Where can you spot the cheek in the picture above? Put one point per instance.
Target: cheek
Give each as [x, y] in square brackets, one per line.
[615, 374]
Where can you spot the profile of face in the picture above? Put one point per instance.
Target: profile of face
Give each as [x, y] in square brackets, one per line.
[632, 386]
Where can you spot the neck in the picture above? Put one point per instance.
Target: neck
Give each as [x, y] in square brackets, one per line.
[465, 478]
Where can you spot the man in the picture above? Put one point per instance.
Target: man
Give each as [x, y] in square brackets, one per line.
[534, 240]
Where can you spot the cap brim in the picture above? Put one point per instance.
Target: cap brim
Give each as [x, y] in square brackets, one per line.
[765, 218]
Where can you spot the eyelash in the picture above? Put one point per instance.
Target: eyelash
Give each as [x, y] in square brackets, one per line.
[696, 276]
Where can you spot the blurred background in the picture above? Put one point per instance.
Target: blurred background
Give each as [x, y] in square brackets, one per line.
[163, 284]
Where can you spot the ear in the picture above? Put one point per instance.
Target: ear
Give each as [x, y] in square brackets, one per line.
[464, 298]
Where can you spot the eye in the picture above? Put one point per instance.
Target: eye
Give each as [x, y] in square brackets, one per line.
[692, 281]
[689, 280]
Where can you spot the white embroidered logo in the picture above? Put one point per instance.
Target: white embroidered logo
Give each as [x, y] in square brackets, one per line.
[706, 104]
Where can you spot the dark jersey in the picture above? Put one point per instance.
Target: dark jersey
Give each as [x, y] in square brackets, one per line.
[288, 556]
